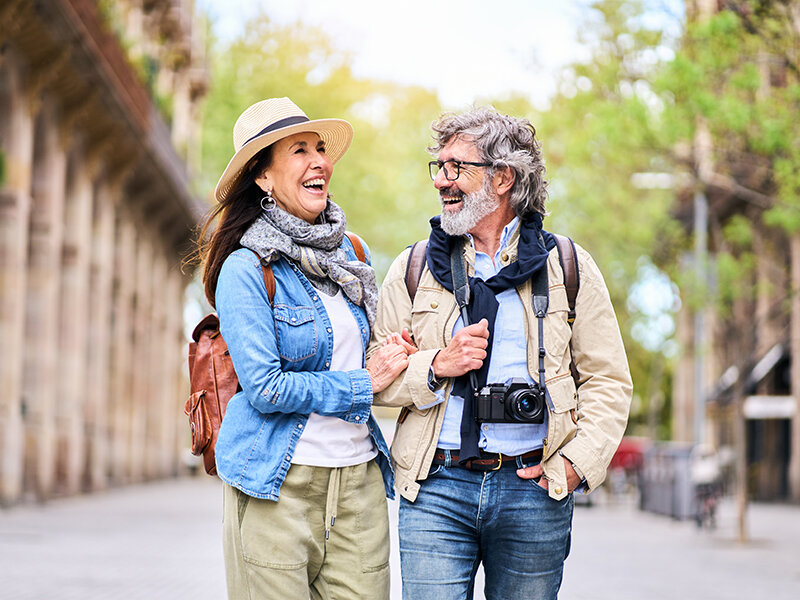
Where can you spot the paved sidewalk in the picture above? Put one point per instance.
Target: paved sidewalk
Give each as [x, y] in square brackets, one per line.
[162, 540]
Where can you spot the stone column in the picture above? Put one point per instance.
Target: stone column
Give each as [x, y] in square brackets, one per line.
[98, 389]
[74, 301]
[141, 389]
[174, 390]
[122, 345]
[16, 146]
[43, 301]
[158, 364]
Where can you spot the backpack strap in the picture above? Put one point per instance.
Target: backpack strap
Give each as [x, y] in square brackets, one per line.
[357, 246]
[568, 258]
[414, 267]
[269, 277]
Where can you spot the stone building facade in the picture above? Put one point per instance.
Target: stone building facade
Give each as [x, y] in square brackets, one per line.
[95, 214]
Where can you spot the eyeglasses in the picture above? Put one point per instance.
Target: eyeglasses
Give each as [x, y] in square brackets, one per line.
[452, 168]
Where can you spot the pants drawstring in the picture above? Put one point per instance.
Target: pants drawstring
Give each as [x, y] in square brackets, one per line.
[332, 500]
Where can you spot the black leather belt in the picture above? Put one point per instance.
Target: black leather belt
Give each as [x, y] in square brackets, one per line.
[488, 461]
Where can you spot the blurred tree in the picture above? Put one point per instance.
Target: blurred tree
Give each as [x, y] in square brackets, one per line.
[382, 181]
[737, 75]
[735, 95]
[608, 164]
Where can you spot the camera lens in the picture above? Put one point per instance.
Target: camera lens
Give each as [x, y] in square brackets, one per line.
[526, 405]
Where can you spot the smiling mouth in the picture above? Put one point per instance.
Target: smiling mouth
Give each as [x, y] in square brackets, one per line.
[316, 185]
[451, 200]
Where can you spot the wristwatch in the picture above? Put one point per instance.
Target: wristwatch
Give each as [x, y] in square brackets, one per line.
[433, 383]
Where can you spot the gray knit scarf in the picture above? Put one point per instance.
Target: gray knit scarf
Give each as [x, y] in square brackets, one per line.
[315, 250]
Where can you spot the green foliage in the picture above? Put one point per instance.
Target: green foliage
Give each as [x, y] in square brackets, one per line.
[604, 126]
[734, 279]
[738, 71]
[382, 180]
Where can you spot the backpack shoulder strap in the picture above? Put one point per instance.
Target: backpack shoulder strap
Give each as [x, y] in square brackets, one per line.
[357, 246]
[568, 258]
[414, 267]
[269, 276]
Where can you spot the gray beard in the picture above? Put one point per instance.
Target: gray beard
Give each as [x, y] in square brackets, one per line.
[475, 207]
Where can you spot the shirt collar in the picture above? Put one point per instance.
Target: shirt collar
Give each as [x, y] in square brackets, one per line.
[506, 236]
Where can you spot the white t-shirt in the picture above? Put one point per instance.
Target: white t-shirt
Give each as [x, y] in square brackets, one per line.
[330, 441]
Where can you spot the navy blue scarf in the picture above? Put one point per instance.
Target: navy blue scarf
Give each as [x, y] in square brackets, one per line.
[531, 257]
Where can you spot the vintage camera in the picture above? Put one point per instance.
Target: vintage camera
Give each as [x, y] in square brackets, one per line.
[515, 401]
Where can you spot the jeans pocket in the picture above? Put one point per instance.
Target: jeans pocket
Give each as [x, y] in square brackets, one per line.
[435, 470]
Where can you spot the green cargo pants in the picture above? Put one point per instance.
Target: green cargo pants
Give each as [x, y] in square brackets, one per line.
[326, 538]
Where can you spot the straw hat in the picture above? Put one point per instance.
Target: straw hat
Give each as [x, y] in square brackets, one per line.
[268, 121]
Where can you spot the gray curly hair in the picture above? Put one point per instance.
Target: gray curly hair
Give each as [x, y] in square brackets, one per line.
[505, 142]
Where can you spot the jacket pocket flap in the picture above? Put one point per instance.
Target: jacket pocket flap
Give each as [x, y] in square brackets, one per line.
[558, 299]
[562, 393]
[427, 300]
[293, 315]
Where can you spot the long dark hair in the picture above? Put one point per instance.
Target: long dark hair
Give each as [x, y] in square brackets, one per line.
[236, 212]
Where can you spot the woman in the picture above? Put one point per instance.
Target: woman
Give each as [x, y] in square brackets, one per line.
[305, 466]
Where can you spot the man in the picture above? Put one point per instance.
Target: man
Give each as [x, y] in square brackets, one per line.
[497, 490]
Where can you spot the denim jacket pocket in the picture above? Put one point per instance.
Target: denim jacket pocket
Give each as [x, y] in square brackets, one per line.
[296, 332]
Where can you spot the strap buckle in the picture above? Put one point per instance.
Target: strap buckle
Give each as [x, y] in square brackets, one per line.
[499, 461]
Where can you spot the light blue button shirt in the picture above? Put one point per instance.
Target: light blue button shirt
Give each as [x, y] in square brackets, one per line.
[509, 359]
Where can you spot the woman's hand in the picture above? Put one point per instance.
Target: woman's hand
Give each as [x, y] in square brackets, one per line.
[386, 364]
[404, 340]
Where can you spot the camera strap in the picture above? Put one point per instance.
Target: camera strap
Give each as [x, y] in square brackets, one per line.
[461, 293]
[541, 302]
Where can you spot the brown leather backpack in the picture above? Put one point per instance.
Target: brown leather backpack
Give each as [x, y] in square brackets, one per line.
[213, 381]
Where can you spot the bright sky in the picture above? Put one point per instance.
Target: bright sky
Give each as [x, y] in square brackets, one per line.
[464, 49]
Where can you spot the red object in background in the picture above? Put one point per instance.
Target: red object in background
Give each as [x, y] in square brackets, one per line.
[629, 455]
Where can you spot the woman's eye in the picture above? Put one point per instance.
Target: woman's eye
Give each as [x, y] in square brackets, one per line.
[321, 149]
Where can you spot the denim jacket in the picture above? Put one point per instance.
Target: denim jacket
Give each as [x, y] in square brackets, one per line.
[282, 354]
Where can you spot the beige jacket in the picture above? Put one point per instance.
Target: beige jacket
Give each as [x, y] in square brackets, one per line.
[587, 424]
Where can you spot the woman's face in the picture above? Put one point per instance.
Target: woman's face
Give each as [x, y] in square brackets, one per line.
[299, 175]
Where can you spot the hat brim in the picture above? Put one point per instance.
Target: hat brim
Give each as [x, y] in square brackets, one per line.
[336, 133]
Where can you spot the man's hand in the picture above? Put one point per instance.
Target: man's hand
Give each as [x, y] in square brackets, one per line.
[536, 472]
[464, 353]
[403, 339]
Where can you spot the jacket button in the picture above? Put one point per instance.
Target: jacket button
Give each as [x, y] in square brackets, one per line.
[434, 305]
[558, 490]
[504, 257]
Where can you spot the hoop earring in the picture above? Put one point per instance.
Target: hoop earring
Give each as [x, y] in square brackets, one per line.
[268, 202]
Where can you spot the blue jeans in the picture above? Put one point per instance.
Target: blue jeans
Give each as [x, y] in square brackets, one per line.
[462, 518]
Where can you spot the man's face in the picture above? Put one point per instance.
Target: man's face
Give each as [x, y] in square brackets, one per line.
[468, 199]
